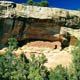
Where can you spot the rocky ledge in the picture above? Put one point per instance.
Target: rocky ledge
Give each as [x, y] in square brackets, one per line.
[38, 23]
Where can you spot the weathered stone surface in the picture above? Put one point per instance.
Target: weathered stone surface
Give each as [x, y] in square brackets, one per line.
[22, 28]
[36, 12]
[54, 56]
[32, 22]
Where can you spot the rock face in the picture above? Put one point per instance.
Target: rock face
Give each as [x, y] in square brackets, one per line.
[22, 28]
[32, 22]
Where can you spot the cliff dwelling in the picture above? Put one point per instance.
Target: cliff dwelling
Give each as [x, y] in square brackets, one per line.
[51, 31]
[32, 23]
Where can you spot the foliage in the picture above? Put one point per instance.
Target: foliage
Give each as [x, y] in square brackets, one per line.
[30, 2]
[37, 71]
[76, 60]
[59, 73]
[71, 73]
[43, 3]
[12, 67]
[12, 42]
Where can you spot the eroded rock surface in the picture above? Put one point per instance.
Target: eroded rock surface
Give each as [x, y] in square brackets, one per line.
[54, 56]
[32, 22]
[40, 23]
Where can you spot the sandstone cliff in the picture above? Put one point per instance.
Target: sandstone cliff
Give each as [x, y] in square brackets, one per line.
[32, 22]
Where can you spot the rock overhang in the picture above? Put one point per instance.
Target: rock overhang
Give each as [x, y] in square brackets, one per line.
[36, 11]
[36, 22]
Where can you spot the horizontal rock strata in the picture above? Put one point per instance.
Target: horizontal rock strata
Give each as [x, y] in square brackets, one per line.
[33, 22]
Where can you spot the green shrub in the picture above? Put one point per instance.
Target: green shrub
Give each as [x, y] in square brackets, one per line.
[30, 2]
[43, 3]
[12, 67]
[59, 73]
[12, 42]
[76, 60]
[19, 68]
[72, 75]
[37, 71]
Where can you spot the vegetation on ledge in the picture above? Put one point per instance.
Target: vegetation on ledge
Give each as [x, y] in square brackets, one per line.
[43, 3]
[14, 67]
